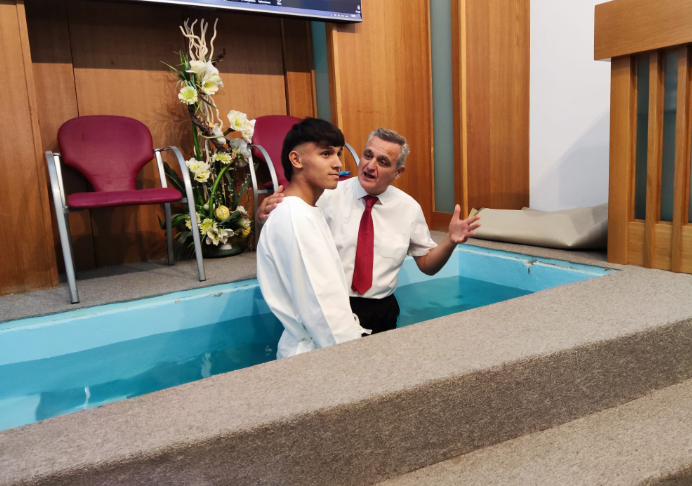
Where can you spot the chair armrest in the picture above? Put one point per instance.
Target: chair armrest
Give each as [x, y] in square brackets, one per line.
[270, 164]
[354, 154]
[186, 178]
[55, 176]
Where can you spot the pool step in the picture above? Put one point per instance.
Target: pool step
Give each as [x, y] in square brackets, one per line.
[644, 442]
[374, 409]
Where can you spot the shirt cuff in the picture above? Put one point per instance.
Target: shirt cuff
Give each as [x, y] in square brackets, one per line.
[421, 251]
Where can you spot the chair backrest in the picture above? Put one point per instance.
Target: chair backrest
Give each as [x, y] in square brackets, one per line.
[108, 150]
[270, 132]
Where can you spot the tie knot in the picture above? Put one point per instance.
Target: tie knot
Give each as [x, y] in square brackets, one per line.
[370, 201]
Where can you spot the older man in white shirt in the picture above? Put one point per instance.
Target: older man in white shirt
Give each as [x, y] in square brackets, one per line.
[375, 225]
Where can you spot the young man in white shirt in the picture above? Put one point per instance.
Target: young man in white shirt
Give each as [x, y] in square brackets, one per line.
[298, 268]
[375, 225]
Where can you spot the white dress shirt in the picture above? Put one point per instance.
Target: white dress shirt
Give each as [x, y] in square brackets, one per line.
[399, 226]
[302, 280]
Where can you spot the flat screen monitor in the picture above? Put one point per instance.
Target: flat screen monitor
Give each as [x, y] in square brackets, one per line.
[325, 10]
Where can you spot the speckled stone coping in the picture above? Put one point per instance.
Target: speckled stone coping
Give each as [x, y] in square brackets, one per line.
[370, 410]
[646, 442]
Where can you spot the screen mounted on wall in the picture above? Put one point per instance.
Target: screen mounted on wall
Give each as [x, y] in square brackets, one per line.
[326, 10]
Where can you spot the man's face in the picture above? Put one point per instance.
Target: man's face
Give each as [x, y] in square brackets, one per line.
[377, 167]
[320, 165]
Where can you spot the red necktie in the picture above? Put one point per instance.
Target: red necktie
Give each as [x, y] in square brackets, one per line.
[362, 273]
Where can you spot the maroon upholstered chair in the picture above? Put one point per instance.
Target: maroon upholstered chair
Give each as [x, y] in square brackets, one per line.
[267, 142]
[110, 151]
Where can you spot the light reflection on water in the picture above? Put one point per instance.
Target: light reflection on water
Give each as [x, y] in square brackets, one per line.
[45, 388]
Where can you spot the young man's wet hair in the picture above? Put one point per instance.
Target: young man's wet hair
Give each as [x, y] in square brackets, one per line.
[315, 130]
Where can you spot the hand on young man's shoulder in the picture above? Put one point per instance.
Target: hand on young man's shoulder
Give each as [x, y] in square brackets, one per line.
[269, 204]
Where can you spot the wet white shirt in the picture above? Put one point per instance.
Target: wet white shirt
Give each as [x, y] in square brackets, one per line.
[301, 278]
[399, 225]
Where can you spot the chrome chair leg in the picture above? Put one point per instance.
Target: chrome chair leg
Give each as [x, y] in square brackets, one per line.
[68, 255]
[63, 223]
[196, 239]
[193, 213]
[169, 233]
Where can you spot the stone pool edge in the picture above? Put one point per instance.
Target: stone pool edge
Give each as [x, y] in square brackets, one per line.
[204, 430]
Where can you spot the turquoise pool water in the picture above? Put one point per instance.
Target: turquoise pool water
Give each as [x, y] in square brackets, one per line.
[53, 365]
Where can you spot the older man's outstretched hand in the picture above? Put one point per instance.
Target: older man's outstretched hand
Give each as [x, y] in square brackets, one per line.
[461, 230]
[269, 204]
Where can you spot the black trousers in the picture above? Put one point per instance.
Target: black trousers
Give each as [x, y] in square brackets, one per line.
[377, 314]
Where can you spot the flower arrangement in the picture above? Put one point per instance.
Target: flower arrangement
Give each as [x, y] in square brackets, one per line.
[217, 168]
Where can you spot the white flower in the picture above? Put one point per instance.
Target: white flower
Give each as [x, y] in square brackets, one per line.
[198, 68]
[209, 86]
[188, 95]
[206, 224]
[202, 175]
[188, 223]
[240, 123]
[216, 235]
[240, 149]
[242, 210]
[206, 207]
[223, 157]
[248, 131]
[207, 76]
[217, 132]
[245, 223]
[194, 165]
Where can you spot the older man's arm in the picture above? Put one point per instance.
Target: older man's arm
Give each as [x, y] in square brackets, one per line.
[269, 204]
[460, 230]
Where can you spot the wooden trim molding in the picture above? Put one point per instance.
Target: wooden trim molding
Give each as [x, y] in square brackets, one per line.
[624, 27]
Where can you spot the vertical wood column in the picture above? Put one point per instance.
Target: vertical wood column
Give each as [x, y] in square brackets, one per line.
[654, 155]
[299, 71]
[681, 192]
[623, 114]
[27, 259]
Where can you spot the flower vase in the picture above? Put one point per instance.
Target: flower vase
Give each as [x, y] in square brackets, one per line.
[229, 248]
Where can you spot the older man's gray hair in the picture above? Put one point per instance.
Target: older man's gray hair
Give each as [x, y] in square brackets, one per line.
[393, 137]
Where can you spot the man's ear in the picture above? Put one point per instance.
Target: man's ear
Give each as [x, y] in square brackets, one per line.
[400, 171]
[294, 157]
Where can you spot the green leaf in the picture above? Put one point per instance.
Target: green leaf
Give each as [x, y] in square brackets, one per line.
[239, 194]
[203, 99]
[174, 178]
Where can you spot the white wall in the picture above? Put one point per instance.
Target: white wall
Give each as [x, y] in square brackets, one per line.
[570, 106]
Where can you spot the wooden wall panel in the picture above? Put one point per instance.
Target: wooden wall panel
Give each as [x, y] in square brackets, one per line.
[117, 49]
[625, 27]
[380, 77]
[26, 260]
[299, 71]
[497, 103]
[51, 56]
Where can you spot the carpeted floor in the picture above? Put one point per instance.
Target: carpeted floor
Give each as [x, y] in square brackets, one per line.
[140, 280]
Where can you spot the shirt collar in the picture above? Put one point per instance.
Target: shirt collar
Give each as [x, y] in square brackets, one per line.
[383, 198]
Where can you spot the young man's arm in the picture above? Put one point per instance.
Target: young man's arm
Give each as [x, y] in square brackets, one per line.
[312, 271]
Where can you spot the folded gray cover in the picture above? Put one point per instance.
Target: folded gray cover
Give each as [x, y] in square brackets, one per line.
[571, 229]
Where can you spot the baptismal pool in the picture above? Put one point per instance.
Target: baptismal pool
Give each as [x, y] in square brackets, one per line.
[62, 363]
